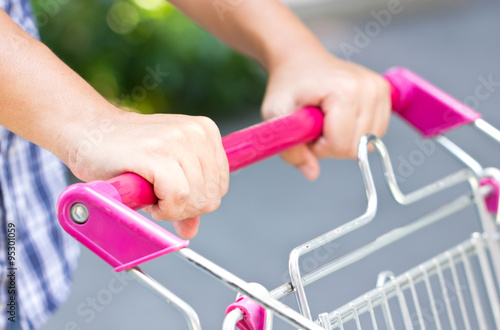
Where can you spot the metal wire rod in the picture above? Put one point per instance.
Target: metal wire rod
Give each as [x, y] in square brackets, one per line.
[457, 254]
[443, 211]
[460, 155]
[487, 129]
[232, 281]
[232, 318]
[367, 217]
[185, 309]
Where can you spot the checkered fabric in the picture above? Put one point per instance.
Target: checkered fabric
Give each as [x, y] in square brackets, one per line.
[31, 179]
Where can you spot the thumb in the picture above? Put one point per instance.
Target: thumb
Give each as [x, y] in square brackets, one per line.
[303, 158]
[187, 228]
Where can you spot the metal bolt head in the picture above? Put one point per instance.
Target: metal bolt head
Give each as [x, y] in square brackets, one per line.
[79, 213]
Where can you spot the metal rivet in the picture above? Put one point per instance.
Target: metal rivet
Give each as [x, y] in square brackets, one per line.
[79, 213]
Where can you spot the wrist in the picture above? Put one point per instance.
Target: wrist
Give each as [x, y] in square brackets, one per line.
[296, 50]
[85, 135]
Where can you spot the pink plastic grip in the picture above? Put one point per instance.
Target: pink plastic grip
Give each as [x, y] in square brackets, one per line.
[134, 190]
[269, 138]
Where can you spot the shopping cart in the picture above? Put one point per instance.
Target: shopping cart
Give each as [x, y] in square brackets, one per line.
[101, 216]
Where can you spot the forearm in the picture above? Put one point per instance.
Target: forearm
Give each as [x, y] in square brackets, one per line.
[265, 30]
[41, 99]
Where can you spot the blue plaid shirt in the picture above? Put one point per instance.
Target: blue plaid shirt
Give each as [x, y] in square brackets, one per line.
[31, 179]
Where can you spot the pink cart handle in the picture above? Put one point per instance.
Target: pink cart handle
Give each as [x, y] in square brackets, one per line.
[99, 215]
[243, 148]
[424, 106]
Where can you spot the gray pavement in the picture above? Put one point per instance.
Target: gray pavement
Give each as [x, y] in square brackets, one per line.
[270, 208]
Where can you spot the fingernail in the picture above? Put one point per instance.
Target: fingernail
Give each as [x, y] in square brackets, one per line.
[307, 171]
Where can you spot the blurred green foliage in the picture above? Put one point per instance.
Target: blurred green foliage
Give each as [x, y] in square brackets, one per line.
[117, 46]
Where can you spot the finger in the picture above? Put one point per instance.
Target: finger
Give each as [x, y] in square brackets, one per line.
[172, 189]
[197, 201]
[375, 111]
[321, 148]
[215, 164]
[212, 178]
[303, 158]
[187, 228]
[339, 127]
[222, 166]
[213, 161]
[277, 105]
[364, 125]
[383, 113]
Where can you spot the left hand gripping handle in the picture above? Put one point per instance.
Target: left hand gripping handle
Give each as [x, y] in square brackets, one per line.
[242, 148]
[101, 215]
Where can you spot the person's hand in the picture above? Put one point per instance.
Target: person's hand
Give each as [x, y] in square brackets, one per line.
[354, 100]
[182, 156]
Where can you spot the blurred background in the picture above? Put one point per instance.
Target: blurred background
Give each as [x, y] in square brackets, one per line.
[114, 45]
[270, 208]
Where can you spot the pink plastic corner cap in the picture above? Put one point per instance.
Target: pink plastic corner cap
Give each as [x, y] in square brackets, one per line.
[426, 107]
[120, 236]
[254, 315]
[492, 199]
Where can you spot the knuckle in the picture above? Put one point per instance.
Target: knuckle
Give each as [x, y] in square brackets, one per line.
[175, 134]
[195, 129]
[209, 125]
[381, 82]
[153, 144]
[206, 121]
[212, 205]
[164, 211]
[198, 132]
[200, 204]
[158, 145]
[171, 213]
[180, 198]
[212, 190]
[351, 86]
[195, 207]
